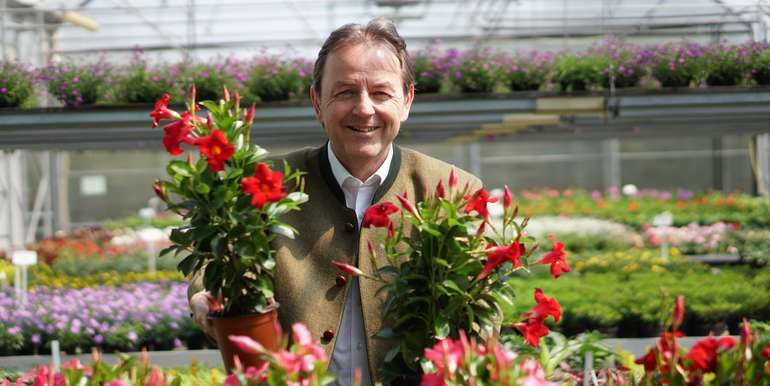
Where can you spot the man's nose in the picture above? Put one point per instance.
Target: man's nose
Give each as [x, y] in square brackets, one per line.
[364, 106]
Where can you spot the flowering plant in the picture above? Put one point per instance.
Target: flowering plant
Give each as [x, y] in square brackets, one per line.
[760, 65]
[577, 72]
[231, 197]
[725, 65]
[303, 364]
[76, 84]
[16, 86]
[527, 71]
[465, 362]
[676, 66]
[623, 64]
[140, 82]
[721, 360]
[276, 79]
[431, 67]
[444, 274]
[478, 71]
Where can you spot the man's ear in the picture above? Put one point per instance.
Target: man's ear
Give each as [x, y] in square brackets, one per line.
[316, 101]
[408, 99]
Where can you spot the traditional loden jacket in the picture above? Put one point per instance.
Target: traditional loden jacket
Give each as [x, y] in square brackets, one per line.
[305, 278]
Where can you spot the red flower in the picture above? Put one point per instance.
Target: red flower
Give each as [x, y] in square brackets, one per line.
[499, 255]
[478, 202]
[678, 312]
[533, 329]
[266, 186]
[162, 111]
[348, 269]
[556, 258]
[248, 118]
[377, 215]
[432, 379]
[216, 149]
[545, 306]
[704, 353]
[447, 355]
[391, 230]
[507, 197]
[649, 361]
[766, 352]
[178, 133]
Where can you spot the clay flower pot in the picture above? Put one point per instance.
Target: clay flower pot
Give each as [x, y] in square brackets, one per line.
[260, 327]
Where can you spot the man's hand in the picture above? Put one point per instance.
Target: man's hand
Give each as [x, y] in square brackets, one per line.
[201, 303]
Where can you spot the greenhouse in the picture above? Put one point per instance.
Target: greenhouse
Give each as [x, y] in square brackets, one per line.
[577, 193]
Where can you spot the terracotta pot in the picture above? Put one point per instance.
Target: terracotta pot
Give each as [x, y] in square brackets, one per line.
[260, 327]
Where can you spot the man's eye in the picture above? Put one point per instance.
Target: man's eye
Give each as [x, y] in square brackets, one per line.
[381, 94]
[345, 93]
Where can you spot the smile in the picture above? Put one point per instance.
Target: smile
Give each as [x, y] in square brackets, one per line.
[363, 129]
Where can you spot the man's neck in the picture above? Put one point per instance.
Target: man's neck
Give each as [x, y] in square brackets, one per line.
[363, 168]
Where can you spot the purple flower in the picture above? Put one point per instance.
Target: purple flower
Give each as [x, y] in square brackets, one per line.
[3, 90]
[132, 336]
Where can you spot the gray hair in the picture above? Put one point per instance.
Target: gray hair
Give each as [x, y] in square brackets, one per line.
[379, 30]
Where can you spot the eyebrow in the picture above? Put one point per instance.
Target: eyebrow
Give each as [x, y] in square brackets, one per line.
[345, 83]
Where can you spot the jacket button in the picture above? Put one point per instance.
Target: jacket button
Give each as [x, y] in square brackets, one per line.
[341, 280]
[328, 335]
[349, 227]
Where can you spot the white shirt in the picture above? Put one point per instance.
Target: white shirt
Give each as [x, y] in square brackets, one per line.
[350, 349]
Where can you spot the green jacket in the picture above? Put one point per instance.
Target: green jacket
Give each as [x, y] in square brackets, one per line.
[305, 278]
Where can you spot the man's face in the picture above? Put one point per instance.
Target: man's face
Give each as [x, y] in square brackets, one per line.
[362, 102]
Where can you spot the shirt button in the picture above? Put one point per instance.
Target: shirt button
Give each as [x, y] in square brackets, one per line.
[349, 227]
[328, 335]
[341, 280]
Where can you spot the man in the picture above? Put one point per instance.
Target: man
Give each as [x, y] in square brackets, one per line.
[363, 88]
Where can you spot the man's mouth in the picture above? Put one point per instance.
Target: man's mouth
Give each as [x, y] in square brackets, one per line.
[363, 129]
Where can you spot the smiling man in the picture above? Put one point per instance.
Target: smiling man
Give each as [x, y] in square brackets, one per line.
[363, 88]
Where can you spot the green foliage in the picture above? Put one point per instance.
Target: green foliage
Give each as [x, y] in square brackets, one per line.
[744, 209]
[273, 79]
[760, 67]
[208, 78]
[630, 261]
[676, 66]
[577, 72]
[43, 275]
[630, 305]
[135, 222]
[724, 66]
[141, 83]
[479, 72]
[16, 86]
[753, 245]
[76, 84]
[120, 264]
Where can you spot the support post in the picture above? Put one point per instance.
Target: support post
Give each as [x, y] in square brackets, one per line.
[761, 163]
[474, 159]
[611, 158]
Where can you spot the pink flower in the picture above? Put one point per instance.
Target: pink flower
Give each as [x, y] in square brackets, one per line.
[232, 380]
[507, 197]
[246, 344]
[433, 379]
[446, 355]
[409, 206]
[347, 268]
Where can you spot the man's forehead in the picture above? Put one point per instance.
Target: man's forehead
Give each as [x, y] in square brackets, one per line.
[364, 57]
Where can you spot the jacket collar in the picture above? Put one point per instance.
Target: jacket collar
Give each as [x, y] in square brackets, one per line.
[331, 181]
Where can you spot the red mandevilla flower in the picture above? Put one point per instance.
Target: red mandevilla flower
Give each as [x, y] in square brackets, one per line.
[440, 193]
[178, 133]
[377, 215]
[649, 361]
[533, 329]
[478, 202]
[678, 312]
[704, 353]
[746, 337]
[546, 306]
[499, 255]
[409, 206]
[556, 258]
[265, 186]
[162, 111]
[216, 149]
[452, 178]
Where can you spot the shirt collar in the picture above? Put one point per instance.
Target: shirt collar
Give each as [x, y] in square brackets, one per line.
[341, 174]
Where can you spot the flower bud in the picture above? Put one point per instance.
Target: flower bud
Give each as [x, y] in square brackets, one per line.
[507, 197]
[452, 179]
[237, 99]
[409, 206]
[225, 94]
[347, 268]
[440, 189]
[678, 312]
[209, 121]
[190, 159]
[191, 95]
[160, 190]
[248, 118]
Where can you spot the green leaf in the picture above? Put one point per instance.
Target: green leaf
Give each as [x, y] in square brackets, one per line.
[219, 246]
[392, 353]
[202, 188]
[179, 236]
[385, 333]
[211, 106]
[187, 265]
[179, 168]
[452, 285]
[441, 327]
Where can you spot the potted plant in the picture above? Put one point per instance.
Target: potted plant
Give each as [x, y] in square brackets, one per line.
[446, 267]
[232, 200]
[676, 66]
[577, 72]
[527, 71]
[16, 86]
